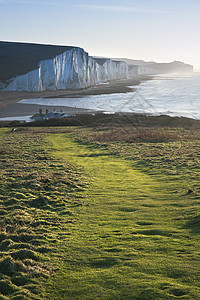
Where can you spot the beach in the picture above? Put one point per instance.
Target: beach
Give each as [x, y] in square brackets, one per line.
[9, 106]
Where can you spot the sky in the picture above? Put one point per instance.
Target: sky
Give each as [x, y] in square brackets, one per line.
[151, 30]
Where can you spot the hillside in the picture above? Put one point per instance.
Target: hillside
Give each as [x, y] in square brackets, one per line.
[175, 66]
[147, 66]
[137, 62]
[36, 67]
[20, 58]
[103, 212]
[31, 67]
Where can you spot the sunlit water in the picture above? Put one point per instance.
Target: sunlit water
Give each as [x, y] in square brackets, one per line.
[17, 118]
[174, 95]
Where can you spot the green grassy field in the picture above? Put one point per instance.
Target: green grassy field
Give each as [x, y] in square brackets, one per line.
[100, 213]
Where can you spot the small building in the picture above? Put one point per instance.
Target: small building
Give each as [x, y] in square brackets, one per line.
[53, 115]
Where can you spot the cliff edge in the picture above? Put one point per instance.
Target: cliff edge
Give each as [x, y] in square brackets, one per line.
[36, 67]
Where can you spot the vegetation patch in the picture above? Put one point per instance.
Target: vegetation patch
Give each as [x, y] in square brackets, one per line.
[36, 195]
[131, 233]
[137, 236]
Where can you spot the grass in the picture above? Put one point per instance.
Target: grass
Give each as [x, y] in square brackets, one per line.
[37, 196]
[133, 240]
[101, 213]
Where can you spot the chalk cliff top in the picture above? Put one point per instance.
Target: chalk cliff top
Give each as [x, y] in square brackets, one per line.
[20, 58]
[159, 67]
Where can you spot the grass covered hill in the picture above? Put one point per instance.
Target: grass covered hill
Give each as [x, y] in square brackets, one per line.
[20, 58]
[171, 67]
[103, 212]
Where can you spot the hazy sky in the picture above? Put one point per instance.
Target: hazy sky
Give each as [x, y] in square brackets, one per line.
[159, 30]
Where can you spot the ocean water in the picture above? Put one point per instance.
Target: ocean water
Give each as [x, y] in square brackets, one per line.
[17, 118]
[173, 94]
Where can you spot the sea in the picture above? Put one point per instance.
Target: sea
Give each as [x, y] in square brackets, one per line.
[171, 94]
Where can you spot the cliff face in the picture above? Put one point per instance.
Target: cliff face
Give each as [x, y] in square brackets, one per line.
[146, 70]
[73, 69]
[151, 67]
[35, 67]
[20, 58]
[133, 71]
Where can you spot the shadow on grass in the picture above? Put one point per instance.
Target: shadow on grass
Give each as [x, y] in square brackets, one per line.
[107, 262]
[155, 232]
[194, 225]
[128, 209]
[96, 155]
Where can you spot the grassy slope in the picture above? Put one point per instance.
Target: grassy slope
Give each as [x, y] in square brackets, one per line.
[137, 234]
[37, 196]
[20, 58]
[133, 233]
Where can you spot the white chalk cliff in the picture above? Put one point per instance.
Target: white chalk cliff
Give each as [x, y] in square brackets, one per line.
[73, 69]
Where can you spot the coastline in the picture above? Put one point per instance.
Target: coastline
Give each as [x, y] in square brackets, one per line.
[9, 106]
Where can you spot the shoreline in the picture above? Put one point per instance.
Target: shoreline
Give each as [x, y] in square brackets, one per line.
[9, 106]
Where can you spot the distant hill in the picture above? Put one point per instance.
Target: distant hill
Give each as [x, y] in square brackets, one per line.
[21, 58]
[134, 61]
[175, 66]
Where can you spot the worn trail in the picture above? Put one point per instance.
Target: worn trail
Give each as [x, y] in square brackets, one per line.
[124, 243]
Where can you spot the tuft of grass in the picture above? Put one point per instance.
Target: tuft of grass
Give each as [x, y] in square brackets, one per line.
[6, 287]
[8, 266]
